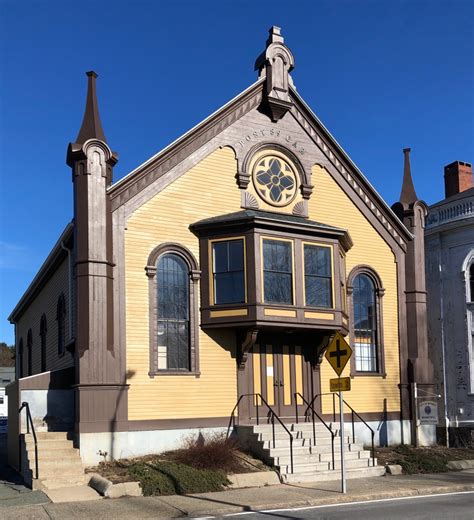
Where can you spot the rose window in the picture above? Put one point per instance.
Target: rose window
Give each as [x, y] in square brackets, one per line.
[274, 180]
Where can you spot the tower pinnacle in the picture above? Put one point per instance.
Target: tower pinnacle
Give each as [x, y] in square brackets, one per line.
[91, 126]
[408, 194]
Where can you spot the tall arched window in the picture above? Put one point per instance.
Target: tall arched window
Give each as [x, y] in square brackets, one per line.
[469, 273]
[365, 291]
[61, 323]
[43, 331]
[173, 276]
[29, 351]
[20, 359]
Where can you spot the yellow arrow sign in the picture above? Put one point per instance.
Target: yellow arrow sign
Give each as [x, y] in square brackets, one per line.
[340, 384]
[338, 353]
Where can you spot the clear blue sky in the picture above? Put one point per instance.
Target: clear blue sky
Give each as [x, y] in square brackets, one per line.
[381, 75]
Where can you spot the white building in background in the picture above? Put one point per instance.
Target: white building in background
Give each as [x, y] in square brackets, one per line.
[449, 243]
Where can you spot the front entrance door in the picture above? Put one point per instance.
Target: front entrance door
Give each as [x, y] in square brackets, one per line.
[277, 370]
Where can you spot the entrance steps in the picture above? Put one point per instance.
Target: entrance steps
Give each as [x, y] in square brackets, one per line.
[59, 463]
[312, 459]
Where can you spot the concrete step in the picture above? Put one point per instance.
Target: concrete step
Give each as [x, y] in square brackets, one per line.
[320, 457]
[324, 476]
[61, 465]
[50, 454]
[49, 444]
[66, 435]
[59, 482]
[305, 468]
[300, 427]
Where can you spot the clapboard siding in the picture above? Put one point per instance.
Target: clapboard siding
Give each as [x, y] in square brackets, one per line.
[46, 302]
[206, 190]
[329, 204]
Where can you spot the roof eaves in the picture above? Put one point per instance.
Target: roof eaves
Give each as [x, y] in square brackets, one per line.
[183, 137]
[42, 273]
[395, 220]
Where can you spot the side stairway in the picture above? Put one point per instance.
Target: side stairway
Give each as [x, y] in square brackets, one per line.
[312, 461]
[59, 463]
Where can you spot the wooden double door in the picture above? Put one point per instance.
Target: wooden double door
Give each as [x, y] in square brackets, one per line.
[279, 371]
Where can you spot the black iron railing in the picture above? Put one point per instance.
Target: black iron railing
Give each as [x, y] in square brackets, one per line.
[333, 395]
[271, 417]
[372, 433]
[314, 413]
[29, 421]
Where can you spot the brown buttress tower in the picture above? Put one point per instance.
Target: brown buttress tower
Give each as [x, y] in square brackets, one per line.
[412, 212]
[101, 392]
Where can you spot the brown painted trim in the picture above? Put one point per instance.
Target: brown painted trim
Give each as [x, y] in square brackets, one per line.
[58, 379]
[49, 267]
[172, 424]
[194, 275]
[379, 292]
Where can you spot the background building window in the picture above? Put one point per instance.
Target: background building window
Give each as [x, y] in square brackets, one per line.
[173, 313]
[471, 282]
[317, 276]
[228, 271]
[29, 352]
[365, 324]
[277, 271]
[43, 331]
[61, 321]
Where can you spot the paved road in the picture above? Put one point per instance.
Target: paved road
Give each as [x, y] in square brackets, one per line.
[459, 506]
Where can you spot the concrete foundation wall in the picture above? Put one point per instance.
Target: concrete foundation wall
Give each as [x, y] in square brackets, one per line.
[120, 445]
[50, 409]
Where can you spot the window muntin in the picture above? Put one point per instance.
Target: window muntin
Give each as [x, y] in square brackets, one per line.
[29, 350]
[173, 313]
[318, 276]
[43, 331]
[61, 322]
[277, 271]
[365, 324]
[228, 271]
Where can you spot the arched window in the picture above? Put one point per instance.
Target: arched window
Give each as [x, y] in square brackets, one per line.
[43, 331]
[61, 323]
[20, 359]
[469, 274]
[365, 292]
[173, 276]
[29, 351]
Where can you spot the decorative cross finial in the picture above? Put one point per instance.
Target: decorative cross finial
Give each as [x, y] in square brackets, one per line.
[275, 64]
[91, 126]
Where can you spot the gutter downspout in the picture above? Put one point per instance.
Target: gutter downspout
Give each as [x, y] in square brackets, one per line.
[69, 251]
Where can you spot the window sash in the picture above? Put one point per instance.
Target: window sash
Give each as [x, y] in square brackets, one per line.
[228, 271]
[318, 276]
[277, 271]
[173, 334]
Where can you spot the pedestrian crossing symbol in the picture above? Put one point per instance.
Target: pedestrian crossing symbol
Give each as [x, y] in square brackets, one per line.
[338, 353]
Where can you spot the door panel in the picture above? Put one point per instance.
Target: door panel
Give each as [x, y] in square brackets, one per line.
[276, 370]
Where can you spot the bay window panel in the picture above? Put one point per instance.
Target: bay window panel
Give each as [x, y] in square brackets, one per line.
[277, 272]
[318, 276]
[228, 272]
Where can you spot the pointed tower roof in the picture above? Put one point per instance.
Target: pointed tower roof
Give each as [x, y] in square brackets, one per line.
[408, 194]
[91, 126]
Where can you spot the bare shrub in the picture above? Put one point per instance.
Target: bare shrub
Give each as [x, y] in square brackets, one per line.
[214, 451]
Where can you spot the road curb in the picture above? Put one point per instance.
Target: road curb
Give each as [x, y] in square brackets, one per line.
[339, 499]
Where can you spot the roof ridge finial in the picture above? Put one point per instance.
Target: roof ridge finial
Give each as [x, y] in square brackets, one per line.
[275, 64]
[91, 125]
[408, 194]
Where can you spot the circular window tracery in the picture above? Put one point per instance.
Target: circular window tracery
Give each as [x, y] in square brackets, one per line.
[274, 180]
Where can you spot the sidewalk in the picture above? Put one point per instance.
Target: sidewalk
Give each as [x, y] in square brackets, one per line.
[250, 499]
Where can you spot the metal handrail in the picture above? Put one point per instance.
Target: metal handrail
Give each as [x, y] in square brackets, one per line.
[333, 403]
[29, 421]
[273, 416]
[310, 406]
[353, 429]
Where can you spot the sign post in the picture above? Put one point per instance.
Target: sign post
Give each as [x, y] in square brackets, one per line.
[338, 354]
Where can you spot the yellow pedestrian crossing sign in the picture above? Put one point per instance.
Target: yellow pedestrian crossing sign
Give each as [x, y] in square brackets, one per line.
[338, 353]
